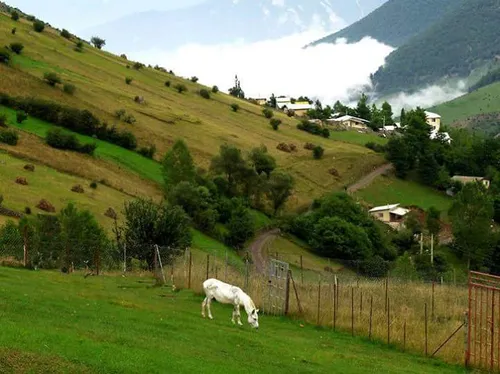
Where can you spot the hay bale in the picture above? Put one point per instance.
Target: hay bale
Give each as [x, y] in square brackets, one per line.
[29, 167]
[334, 172]
[284, 147]
[111, 213]
[46, 206]
[77, 189]
[309, 146]
[21, 181]
[293, 147]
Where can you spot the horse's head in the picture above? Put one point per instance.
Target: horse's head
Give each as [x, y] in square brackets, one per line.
[253, 318]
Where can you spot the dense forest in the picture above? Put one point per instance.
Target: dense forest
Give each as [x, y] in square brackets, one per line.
[394, 22]
[465, 39]
[493, 76]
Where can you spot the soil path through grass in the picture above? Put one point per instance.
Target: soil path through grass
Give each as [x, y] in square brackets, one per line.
[367, 179]
[257, 246]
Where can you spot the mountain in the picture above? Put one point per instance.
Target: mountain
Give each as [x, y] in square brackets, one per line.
[394, 23]
[223, 21]
[465, 40]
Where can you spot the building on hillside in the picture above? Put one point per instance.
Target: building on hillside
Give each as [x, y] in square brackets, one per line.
[464, 180]
[392, 214]
[443, 136]
[260, 100]
[433, 120]
[350, 122]
[282, 102]
[300, 109]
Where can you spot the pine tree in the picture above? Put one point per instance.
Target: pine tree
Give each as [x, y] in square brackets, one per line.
[363, 110]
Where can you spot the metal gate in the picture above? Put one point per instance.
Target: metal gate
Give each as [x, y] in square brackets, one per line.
[483, 334]
[277, 288]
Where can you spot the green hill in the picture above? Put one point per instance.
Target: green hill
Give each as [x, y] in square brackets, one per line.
[463, 41]
[394, 22]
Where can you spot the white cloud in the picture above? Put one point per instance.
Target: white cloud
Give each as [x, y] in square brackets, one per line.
[329, 72]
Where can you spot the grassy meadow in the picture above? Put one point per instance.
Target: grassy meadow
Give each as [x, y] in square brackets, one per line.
[167, 115]
[124, 324]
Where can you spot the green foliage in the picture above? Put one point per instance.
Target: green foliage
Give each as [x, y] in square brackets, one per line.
[379, 148]
[167, 84]
[318, 152]
[14, 16]
[262, 161]
[491, 77]
[79, 46]
[98, 42]
[362, 110]
[4, 56]
[180, 88]
[433, 223]
[237, 91]
[178, 165]
[9, 137]
[147, 224]
[235, 107]
[13, 31]
[52, 78]
[405, 268]
[279, 189]
[205, 94]
[148, 152]
[138, 65]
[66, 34]
[313, 128]
[93, 185]
[230, 163]
[3, 120]
[129, 80]
[268, 113]
[215, 89]
[240, 228]
[194, 79]
[38, 26]
[124, 56]
[16, 47]
[21, 116]
[275, 123]
[471, 216]
[69, 88]
[56, 138]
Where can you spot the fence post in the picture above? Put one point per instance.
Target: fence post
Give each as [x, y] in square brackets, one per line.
[190, 266]
[335, 304]
[426, 329]
[301, 270]
[287, 292]
[25, 245]
[319, 300]
[225, 267]
[432, 300]
[208, 264]
[404, 337]
[125, 257]
[360, 303]
[155, 261]
[352, 311]
[386, 291]
[388, 322]
[371, 318]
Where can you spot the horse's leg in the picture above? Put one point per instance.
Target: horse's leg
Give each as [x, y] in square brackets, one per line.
[203, 304]
[209, 301]
[234, 315]
[238, 314]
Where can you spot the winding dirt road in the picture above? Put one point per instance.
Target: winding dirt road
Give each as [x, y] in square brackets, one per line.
[257, 246]
[367, 179]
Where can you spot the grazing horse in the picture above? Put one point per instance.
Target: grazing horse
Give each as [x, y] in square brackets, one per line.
[227, 294]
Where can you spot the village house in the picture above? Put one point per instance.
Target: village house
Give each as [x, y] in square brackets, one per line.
[392, 215]
[433, 120]
[260, 100]
[299, 109]
[350, 122]
[464, 180]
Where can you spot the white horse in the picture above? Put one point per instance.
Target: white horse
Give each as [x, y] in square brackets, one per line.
[227, 294]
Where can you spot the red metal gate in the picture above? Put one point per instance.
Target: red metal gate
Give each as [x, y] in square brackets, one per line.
[483, 334]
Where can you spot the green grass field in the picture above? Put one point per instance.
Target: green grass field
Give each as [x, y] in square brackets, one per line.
[68, 324]
[355, 137]
[390, 190]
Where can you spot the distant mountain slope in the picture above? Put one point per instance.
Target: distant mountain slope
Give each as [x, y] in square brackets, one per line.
[465, 39]
[223, 21]
[395, 22]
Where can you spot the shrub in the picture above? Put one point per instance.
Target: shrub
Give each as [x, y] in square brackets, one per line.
[180, 88]
[14, 16]
[4, 55]
[148, 152]
[120, 113]
[205, 94]
[128, 80]
[16, 47]
[194, 79]
[129, 118]
[268, 113]
[235, 107]
[138, 66]
[124, 56]
[313, 128]
[65, 34]
[318, 152]
[3, 120]
[379, 148]
[9, 137]
[31, 18]
[27, 210]
[93, 185]
[38, 26]
[13, 31]
[52, 78]
[275, 123]
[56, 138]
[21, 116]
[98, 42]
[79, 46]
[167, 83]
[69, 88]
[290, 113]
[215, 89]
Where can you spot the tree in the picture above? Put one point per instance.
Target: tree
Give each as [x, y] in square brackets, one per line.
[21, 116]
[387, 113]
[4, 55]
[180, 88]
[268, 113]
[98, 42]
[235, 107]
[318, 152]
[52, 78]
[363, 111]
[38, 26]
[471, 217]
[230, 163]
[377, 120]
[194, 79]
[14, 16]
[236, 91]
[432, 222]
[215, 89]
[240, 227]
[129, 80]
[280, 188]
[65, 34]
[262, 161]
[402, 117]
[272, 101]
[399, 153]
[428, 169]
[177, 165]
[16, 47]
[275, 123]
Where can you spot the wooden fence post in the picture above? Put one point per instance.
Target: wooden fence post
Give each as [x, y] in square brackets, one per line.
[432, 301]
[301, 270]
[352, 311]
[287, 292]
[426, 329]
[388, 322]
[190, 266]
[371, 317]
[319, 301]
[404, 336]
[208, 264]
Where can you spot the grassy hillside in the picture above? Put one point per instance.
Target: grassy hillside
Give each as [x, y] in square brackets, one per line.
[465, 39]
[166, 114]
[125, 325]
[393, 23]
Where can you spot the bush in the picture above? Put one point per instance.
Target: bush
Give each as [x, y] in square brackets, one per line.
[79, 46]
[65, 34]
[16, 47]
[21, 116]
[235, 107]
[138, 66]
[4, 56]
[205, 94]
[38, 26]
[275, 123]
[31, 18]
[93, 185]
[9, 137]
[268, 113]
[375, 267]
[124, 56]
[120, 113]
[215, 89]
[14, 16]
[3, 120]
[379, 148]
[194, 79]
[98, 42]
[27, 210]
[180, 88]
[56, 138]
[168, 83]
[52, 79]
[128, 80]
[313, 128]
[129, 118]
[318, 152]
[290, 113]
[13, 31]
[69, 88]
[148, 152]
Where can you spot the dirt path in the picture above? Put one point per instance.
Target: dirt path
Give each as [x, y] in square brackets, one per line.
[367, 179]
[257, 246]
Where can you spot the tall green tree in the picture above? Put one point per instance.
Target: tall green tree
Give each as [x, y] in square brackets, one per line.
[471, 217]
[240, 227]
[262, 161]
[280, 188]
[231, 164]
[363, 110]
[387, 114]
[428, 169]
[401, 156]
[432, 221]
[376, 118]
[178, 165]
